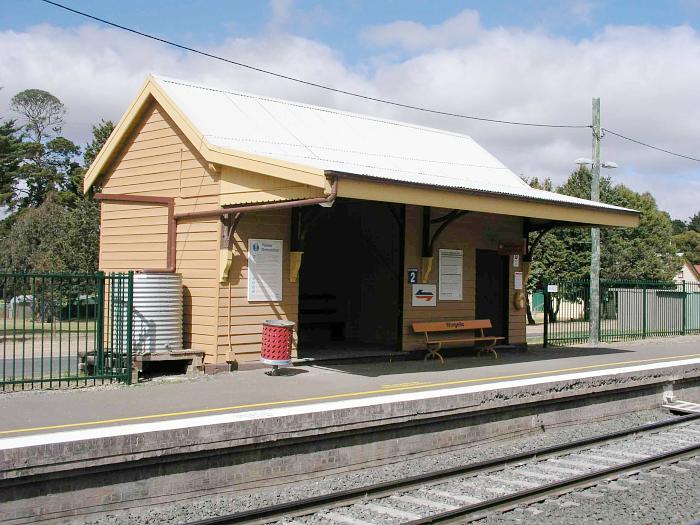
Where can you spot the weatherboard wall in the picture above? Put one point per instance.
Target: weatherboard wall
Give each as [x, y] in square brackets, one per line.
[468, 233]
[157, 160]
[242, 341]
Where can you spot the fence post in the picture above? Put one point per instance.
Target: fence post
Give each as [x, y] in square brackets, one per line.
[129, 324]
[644, 311]
[545, 333]
[99, 325]
[683, 326]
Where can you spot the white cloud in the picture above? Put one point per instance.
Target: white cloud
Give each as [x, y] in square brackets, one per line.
[284, 13]
[412, 36]
[645, 77]
[582, 10]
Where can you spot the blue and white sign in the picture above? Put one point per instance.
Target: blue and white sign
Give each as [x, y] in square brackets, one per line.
[264, 270]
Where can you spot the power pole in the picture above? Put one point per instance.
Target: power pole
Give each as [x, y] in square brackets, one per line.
[594, 314]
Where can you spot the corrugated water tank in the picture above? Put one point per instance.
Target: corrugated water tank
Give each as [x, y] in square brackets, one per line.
[157, 312]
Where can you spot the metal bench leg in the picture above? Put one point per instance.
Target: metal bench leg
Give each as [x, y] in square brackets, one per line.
[489, 348]
[434, 352]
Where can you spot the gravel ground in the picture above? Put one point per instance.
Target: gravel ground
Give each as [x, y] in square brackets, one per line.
[668, 494]
[191, 510]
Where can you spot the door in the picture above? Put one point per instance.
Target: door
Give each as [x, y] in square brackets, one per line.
[492, 290]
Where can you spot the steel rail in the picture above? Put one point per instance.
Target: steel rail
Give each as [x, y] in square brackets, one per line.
[345, 497]
[538, 493]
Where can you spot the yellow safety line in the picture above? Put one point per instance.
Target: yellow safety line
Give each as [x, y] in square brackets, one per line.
[341, 396]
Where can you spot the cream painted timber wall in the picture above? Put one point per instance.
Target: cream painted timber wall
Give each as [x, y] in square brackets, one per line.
[246, 187]
[157, 160]
[469, 233]
[246, 318]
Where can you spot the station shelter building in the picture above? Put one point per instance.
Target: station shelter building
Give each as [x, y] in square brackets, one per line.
[352, 226]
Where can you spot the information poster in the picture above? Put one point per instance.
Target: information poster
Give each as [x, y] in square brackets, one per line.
[450, 275]
[518, 280]
[264, 270]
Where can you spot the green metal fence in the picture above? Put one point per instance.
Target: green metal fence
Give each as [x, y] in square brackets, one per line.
[65, 330]
[629, 309]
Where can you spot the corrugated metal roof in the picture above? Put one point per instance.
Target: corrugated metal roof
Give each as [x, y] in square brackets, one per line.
[339, 141]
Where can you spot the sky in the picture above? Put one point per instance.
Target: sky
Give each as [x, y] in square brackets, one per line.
[535, 61]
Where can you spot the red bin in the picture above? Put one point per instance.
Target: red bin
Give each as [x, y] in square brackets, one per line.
[277, 342]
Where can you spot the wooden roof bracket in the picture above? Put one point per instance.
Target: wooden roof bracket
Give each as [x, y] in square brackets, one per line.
[543, 229]
[428, 241]
[230, 223]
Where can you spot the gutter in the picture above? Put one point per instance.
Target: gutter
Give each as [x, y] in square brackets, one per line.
[330, 198]
[501, 195]
[173, 217]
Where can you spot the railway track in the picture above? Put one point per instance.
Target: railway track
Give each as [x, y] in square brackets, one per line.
[469, 492]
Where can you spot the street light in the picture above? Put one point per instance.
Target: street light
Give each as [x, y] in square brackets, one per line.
[594, 293]
[583, 161]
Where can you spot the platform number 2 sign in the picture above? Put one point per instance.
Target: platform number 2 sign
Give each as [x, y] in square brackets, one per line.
[413, 276]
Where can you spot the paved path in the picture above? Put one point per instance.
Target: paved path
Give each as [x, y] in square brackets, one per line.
[25, 413]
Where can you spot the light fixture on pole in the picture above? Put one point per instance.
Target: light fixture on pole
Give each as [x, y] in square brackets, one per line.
[583, 161]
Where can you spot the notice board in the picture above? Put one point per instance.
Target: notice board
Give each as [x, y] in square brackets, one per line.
[264, 270]
[450, 275]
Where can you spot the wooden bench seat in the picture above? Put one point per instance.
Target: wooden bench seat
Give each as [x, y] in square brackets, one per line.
[434, 343]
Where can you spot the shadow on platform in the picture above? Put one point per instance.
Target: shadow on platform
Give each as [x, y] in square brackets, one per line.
[455, 360]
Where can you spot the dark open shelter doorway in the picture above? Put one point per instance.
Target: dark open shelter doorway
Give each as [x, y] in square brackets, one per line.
[492, 291]
[350, 286]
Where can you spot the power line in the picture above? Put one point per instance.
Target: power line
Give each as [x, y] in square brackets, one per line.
[650, 145]
[354, 94]
[306, 82]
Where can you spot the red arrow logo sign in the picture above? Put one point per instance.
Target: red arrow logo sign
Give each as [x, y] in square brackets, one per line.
[425, 296]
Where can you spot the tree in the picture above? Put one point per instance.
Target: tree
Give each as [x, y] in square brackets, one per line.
[12, 151]
[52, 226]
[688, 243]
[51, 238]
[30, 243]
[100, 134]
[694, 222]
[52, 168]
[644, 252]
[679, 226]
[80, 242]
[43, 112]
[50, 161]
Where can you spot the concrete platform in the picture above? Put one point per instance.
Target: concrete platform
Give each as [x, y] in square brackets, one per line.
[178, 397]
[70, 454]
